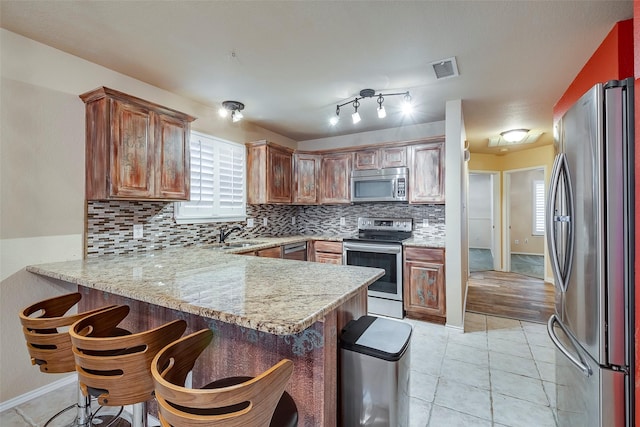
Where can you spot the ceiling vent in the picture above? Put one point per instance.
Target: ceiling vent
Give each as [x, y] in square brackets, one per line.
[445, 68]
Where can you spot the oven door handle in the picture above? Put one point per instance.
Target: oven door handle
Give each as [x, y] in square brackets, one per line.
[372, 247]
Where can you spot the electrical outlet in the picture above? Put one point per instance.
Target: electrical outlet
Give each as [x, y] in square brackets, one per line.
[264, 221]
[293, 220]
[343, 221]
[517, 242]
[249, 222]
[138, 231]
[425, 222]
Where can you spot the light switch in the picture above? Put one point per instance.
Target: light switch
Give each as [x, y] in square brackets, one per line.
[138, 231]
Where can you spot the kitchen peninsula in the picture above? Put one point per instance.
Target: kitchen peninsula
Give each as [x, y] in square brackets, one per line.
[260, 310]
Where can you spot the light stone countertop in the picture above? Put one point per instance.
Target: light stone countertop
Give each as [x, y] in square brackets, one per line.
[276, 296]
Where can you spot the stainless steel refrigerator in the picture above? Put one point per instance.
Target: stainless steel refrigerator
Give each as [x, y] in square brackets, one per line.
[590, 234]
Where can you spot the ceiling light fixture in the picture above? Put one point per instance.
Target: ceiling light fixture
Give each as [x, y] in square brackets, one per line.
[234, 108]
[514, 135]
[370, 93]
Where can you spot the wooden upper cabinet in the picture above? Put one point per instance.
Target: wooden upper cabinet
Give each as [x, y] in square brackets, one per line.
[307, 169]
[135, 150]
[426, 182]
[393, 157]
[173, 150]
[270, 173]
[366, 159]
[376, 158]
[335, 172]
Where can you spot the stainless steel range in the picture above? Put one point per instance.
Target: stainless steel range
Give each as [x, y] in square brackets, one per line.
[379, 244]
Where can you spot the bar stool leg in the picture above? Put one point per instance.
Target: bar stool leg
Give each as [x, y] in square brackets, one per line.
[139, 415]
[84, 409]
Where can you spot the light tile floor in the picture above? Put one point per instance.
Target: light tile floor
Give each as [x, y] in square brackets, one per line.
[500, 372]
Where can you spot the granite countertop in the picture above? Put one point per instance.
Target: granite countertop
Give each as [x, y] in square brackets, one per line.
[425, 242]
[277, 296]
[269, 242]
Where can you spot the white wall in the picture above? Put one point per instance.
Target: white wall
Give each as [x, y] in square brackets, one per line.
[42, 177]
[457, 255]
[480, 205]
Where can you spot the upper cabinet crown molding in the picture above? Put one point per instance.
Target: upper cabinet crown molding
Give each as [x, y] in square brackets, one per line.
[135, 149]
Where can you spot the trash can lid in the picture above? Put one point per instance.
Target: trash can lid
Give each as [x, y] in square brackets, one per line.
[376, 336]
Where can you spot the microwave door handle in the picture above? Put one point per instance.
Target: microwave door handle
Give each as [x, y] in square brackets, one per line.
[394, 189]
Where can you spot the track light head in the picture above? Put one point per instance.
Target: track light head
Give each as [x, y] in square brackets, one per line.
[370, 93]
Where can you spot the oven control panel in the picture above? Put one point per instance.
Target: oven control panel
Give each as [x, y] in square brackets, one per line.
[389, 224]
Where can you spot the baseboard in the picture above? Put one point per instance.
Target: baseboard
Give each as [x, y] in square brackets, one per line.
[18, 400]
[455, 328]
[70, 379]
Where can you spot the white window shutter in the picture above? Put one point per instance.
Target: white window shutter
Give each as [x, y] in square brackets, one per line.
[217, 181]
[538, 208]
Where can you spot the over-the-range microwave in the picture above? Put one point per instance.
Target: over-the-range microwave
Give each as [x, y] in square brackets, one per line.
[379, 185]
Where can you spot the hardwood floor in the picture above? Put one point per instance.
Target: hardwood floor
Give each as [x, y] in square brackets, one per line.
[510, 295]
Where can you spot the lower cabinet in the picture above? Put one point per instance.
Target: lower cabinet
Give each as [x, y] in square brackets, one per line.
[270, 252]
[326, 252]
[424, 284]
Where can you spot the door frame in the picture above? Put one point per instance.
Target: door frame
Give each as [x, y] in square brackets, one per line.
[495, 216]
[506, 225]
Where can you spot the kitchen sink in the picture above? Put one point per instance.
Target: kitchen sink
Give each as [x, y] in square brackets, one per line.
[235, 245]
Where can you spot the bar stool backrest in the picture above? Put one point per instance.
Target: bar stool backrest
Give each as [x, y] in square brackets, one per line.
[251, 403]
[113, 364]
[45, 328]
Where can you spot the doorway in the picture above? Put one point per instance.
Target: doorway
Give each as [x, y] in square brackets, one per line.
[483, 217]
[524, 241]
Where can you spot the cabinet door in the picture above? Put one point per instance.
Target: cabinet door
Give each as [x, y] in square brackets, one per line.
[132, 152]
[270, 252]
[307, 167]
[424, 288]
[365, 159]
[279, 176]
[427, 173]
[334, 182]
[393, 157]
[172, 178]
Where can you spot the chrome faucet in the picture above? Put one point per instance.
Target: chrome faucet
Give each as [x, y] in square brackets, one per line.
[224, 234]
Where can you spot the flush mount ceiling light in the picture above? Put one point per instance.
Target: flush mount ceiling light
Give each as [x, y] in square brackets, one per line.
[370, 93]
[514, 137]
[232, 107]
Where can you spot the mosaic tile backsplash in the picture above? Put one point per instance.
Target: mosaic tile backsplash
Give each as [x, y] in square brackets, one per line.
[110, 224]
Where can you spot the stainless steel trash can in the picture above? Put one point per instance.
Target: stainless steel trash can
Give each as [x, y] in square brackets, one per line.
[374, 372]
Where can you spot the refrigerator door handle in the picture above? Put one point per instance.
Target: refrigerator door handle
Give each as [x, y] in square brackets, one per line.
[560, 172]
[579, 361]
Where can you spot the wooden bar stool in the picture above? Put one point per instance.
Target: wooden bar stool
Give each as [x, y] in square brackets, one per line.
[237, 401]
[50, 347]
[115, 367]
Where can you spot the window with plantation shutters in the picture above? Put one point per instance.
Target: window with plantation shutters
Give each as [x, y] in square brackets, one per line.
[538, 208]
[217, 181]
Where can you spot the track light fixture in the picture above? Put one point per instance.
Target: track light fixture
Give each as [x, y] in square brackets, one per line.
[370, 93]
[234, 108]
